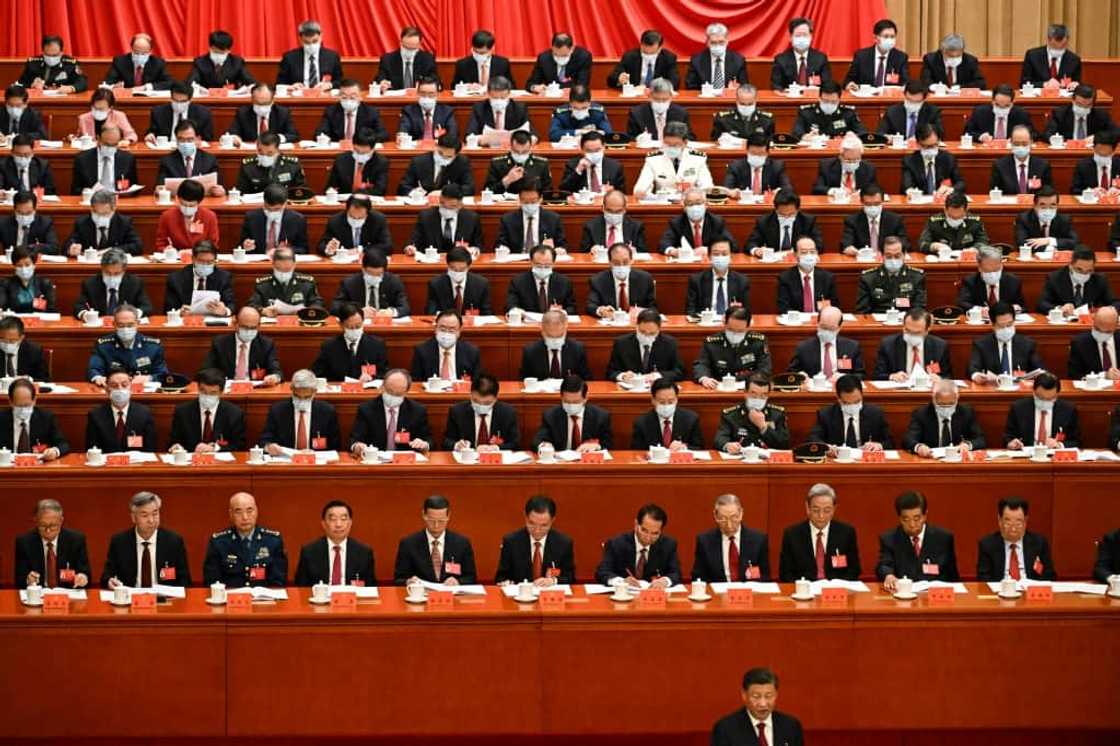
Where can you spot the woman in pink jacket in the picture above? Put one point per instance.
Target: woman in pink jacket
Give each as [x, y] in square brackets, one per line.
[102, 112]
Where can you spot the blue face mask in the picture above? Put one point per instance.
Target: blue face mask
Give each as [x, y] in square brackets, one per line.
[187, 149]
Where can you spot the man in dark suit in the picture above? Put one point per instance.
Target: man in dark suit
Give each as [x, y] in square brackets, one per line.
[997, 120]
[846, 171]
[1076, 285]
[133, 562]
[481, 64]
[915, 549]
[880, 64]
[539, 553]
[164, 118]
[851, 421]
[120, 424]
[187, 150]
[1042, 419]
[139, 67]
[353, 353]
[442, 168]
[757, 172]
[1093, 351]
[843, 353]
[819, 547]
[24, 171]
[718, 288]
[716, 64]
[731, 552]
[1019, 172]
[1101, 171]
[531, 225]
[458, 289]
[695, 225]
[574, 425]
[792, 293]
[96, 295]
[359, 226]
[446, 225]
[564, 64]
[402, 67]
[17, 118]
[271, 226]
[952, 66]
[313, 426]
[446, 355]
[912, 113]
[107, 165]
[375, 289]
[990, 284]
[311, 65]
[360, 170]
[435, 554]
[26, 428]
[1013, 551]
[800, 63]
[857, 225]
[541, 288]
[343, 120]
[592, 170]
[649, 61]
[245, 354]
[667, 424]
[51, 555]
[1108, 556]
[219, 68]
[916, 167]
[781, 229]
[392, 421]
[645, 553]
[1057, 231]
[914, 345]
[336, 557]
[613, 226]
[202, 275]
[645, 354]
[1003, 350]
[652, 116]
[208, 424]
[104, 228]
[620, 287]
[1078, 120]
[427, 119]
[1052, 61]
[758, 720]
[263, 115]
[499, 111]
[943, 422]
[28, 231]
[554, 355]
[483, 420]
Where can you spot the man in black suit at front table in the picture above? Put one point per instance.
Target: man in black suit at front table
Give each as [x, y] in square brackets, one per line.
[716, 63]
[731, 552]
[1004, 350]
[343, 120]
[1013, 551]
[758, 722]
[133, 561]
[819, 547]
[554, 355]
[446, 225]
[846, 171]
[165, 118]
[1080, 119]
[531, 224]
[541, 287]
[649, 61]
[427, 119]
[138, 63]
[718, 288]
[880, 64]
[695, 225]
[951, 66]
[563, 63]
[257, 235]
[262, 115]
[359, 226]
[621, 286]
[914, 345]
[1044, 226]
[19, 356]
[643, 553]
[1076, 285]
[458, 289]
[446, 355]
[245, 354]
[105, 228]
[942, 423]
[1019, 172]
[499, 111]
[1052, 61]
[574, 425]
[645, 354]
[112, 287]
[1108, 555]
[800, 63]
[26, 428]
[613, 226]
[435, 554]
[657, 112]
[17, 118]
[592, 169]
[445, 167]
[907, 117]
[781, 228]
[301, 422]
[1093, 351]
[482, 420]
[208, 424]
[120, 424]
[826, 352]
[990, 284]
[311, 65]
[857, 225]
[187, 150]
[667, 424]
[24, 171]
[392, 421]
[757, 172]
[106, 165]
[219, 68]
[1042, 419]
[997, 120]
[360, 170]
[1101, 171]
[375, 289]
[915, 549]
[481, 64]
[353, 353]
[402, 67]
[336, 557]
[202, 275]
[805, 287]
[51, 555]
[851, 421]
[538, 553]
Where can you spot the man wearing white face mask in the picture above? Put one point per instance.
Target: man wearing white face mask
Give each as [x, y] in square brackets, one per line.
[120, 424]
[696, 227]
[755, 422]
[990, 283]
[882, 63]
[164, 118]
[541, 288]
[574, 424]
[126, 349]
[19, 356]
[208, 424]
[827, 117]
[187, 223]
[1044, 226]
[851, 421]
[311, 65]
[667, 424]
[219, 68]
[445, 355]
[272, 227]
[27, 228]
[105, 167]
[893, 284]
[801, 63]
[531, 225]
[564, 64]
[483, 421]
[261, 116]
[1003, 351]
[1095, 351]
[1054, 60]
[997, 120]
[652, 116]
[736, 352]
[579, 116]
[872, 226]
[17, 118]
[901, 356]
[744, 119]
[343, 120]
[446, 225]
[1042, 419]
[951, 66]
[717, 288]
[613, 226]
[1079, 120]
[27, 428]
[781, 228]
[445, 167]
[676, 167]
[402, 67]
[650, 60]
[1076, 285]
[301, 422]
[757, 173]
[427, 119]
[716, 64]
[139, 67]
[188, 160]
[554, 355]
[353, 354]
[826, 352]
[499, 111]
[912, 113]
[53, 70]
[943, 422]
[360, 170]
[646, 354]
[112, 287]
[806, 287]
[284, 285]
[244, 355]
[481, 64]
[24, 171]
[1101, 171]
[847, 172]
[392, 421]
[376, 290]
[358, 227]
[621, 286]
[1020, 172]
[929, 168]
[268, 168]
[592, 169]
[202, 275]
[458, 288]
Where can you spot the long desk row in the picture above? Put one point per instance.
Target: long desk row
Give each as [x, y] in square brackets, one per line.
[522, 673]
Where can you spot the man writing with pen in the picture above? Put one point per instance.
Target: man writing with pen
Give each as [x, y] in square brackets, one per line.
[644, 554]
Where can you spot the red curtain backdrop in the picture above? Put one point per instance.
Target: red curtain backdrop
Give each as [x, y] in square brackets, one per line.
[367, 28]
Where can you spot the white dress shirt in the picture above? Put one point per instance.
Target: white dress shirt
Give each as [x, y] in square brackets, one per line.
[139, 579]
[813, 537]
[342, 558]
[1049, 425]
[829, 351]
[715, 289]
[295, 427]
[1007, 558]
[768, 730]
[307, 59]
[451, 361]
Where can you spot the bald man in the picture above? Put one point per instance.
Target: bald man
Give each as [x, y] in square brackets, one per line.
[1095, 351]
[827, 352]
[245, 554]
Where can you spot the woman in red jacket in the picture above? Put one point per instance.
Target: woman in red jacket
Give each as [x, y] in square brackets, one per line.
[188, 222]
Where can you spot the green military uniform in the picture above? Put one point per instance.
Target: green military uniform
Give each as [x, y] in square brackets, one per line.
[879, 289]
[843, 120]
[301, 289]
[718, 357]
[733, 122]
[535, 168]
[970, 233]
[66, 72]
[253, 177]
[735, 427]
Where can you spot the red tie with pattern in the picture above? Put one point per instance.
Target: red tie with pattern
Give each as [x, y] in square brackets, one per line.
[666, 433]
[806, 294]
[828, 370]
[950, 77]
[577, 436]
[623, 300]
[917, 545]
[208, 429]
[483, 431]
[301, 432]
[1054, 68]
[733, 560]
[138, 75]
[1043, 431]
[538, 561]
[1013, 563]
[336, 566]
[52, 566]
[349, 133]
[762, 735]
[820, 555]
[697, 235]
[756, 180]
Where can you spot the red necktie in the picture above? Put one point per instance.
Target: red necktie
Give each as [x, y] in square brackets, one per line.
[207, 429]
[349, 133]
[806, 295]
[1106, 359]
[187, 162]
[1022, 178]
[428, 127]
[828, 370]
[666, 433]
[554, 368]
[756, 180]
[24, 444]
[483, 431]
[242, 371]
[437, 560]
[873, 226]
[802, 72]
[733, 560]
[762, 735]
[52, 566]
[1001, 128]
[820, 555]
[1043, 431]
[445, 366]
[697, 235]
[991, 295]
[1013, 563]
[1054, 68]
[500, 120]
[612, 237]
[917, 545]
[1104, 177]
[640, 569]
[273, 234]
[538, 561]
[336, 566]
[596, 185]
[262, 126]
[950, 76]
[881, 71]
[301, 432]
[358, 181]
[623, 301]
[459, 299]
[484, 75]
[542, 297]
[138, 75]
[849, 182]
[577, 436]
[120, 427]
[915, 358]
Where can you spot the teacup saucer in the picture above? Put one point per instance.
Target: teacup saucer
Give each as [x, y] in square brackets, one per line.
[215, 601]
[525, 599]
[1010, 596]
[623, 598]
[905, 596]
[796, 597]
[700, 598]
[33, 604]
[317, 601]
[416, 599]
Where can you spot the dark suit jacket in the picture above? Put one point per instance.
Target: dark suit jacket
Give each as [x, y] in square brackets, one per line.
[1036, 66]
[502, 425]
[974, 292]
[122, 70]
[555, 424]
[925, 428]
[30, 361]
[700, 69]
[412, 121]
[620, 559]
[426, 358]
[983, 119]
[830, 175]
[985, 354]
[857, 230]
[391, 68]
[610, 172]
[375, 174]
[441, 294]
[291, 67]
[641, 119]
[371, 427]
[774, 175]
[244, 123]
[944, 169]
[511, 229]
[374, 233]
[736, 730]
[1085, 355]
[101, 428]
[754, 551]
[576, 72]
[767, 231]
[515, 562]
[895, 119]
[280, 425]
[333, 122]
[161, 117]
[315, 562]
[336, 363]
[699, 298]
[1087, 175]
[1061, 122]
[293, 229]
[414, 558]
[784, 69]
[523, 293]
[967, 74]
[428, 230]
[94, 295]
[39, 174]
[713, 228]
[43, 431]
[798, 557]
[228, 422]
[182, 283]
[536, 360]
[70, 549]
[1108, 557]
[990, 559]
[30, 123]
[807, 357]
[1005, 174]
[626, 355]
[262, 356]
[595, 233]
[1063, 421]
[232, 72]
[1058, 290]
[646, 431]
[87, 169]
[391, 294]
[865, 63]
[421, 173]
[640, 290]
[664, 66]
[790, 287]
[40, 287]
[171, 552]
[831, 427]
[171, 166]
[896, 555]
[122, 234]
[466, 70]
[517, 114]
[893, 356]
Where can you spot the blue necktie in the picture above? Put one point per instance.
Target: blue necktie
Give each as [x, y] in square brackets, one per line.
[1004, 361]
[721, 297]
[911, 126]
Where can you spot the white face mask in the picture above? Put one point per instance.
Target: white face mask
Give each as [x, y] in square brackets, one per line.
[580, 114]
[446, 340]
[282, 277]
[1001, 111]
[100, 114]
[1005, 333]
[355, 223]
[595, 159]
[1081, 111]
[954, 222]
[9, 348]
[645, 340]
[15, 112]
[1047, 214]
[481, 59]
[139, 60]
[352, 335]
[188, 212]
[991, 278]
[745, 110]
[112, 282]
[945, 411]
[912, 107]
[849, 167]
[25, 272]
[52, 60]
[542, 273]
[1043, 405]
[428, 103]
[519, 158]
[886, 43]
[372, 281]
[718, 50]
[735, 338]
[266, 161]
[301, 405]
[361, 158]
[482, 410]
[120, 397]
[621, 273]
[349, 105]
[873, 212]
[659, 107]
[180, 107]
[102, 221]
[392, 401]
[246, 335]
[25, 221]
[22, 414]
[893, 265]
[312, 48]
[953, 61]
[561, 61]
[572, 409]
[756, 404]
[219, 58]
[614, 218]
[531, 209]
[499, 104]
[756, 161]
[1102, 160]
[127, 334]
[203, 270]
[672, 153]
[1080, 278]
[262, 110]
[208, 402]
[447, 213]
[1021, 151]
[721, 263]
[666, 411]
[828, 108]
[695, 213]
[851, 410]
[929, 154]
[457, 278]
[554, 344]
[913, 340]
[1101, 337]
[801, 42]
[827, 336]
[187, 148]
[807, 261]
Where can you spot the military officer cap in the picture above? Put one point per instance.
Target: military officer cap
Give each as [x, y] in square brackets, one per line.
[300, 195]
[555, 197]
[787, 382]
[312, 316]
[616, 139]
[810, 453]
[946, 314]
[173, 383]
[784, 141]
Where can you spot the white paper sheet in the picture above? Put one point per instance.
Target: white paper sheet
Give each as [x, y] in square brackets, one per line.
[511, 590]
[458, 590]
[201, 298]
[756, 586]
[261, 594]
